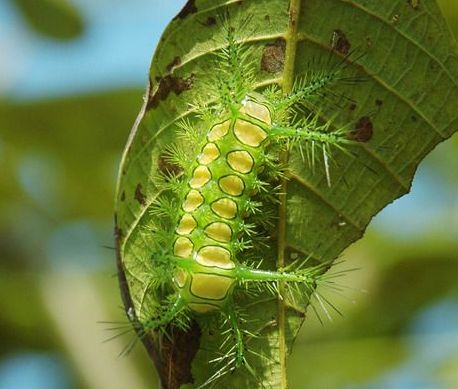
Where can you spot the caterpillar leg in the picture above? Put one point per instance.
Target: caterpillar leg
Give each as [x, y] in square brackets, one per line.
[313, 86]
[171, 313]
[309, 130]
[314, 139]
[233, 349]
[239, 347]
[305, 90]
[308, 277]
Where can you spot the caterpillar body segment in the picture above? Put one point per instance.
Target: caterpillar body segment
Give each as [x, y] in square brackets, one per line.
[222, 183]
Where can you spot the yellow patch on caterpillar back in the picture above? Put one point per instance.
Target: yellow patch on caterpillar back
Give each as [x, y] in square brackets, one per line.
[186, 225]
[219, 231]
[200, 177]
[210, 286]
[232, 185]
[192, 201]
[256, 110]
[218, 131]
[225, 208]
[209, 153]
[240, 161]
[215, 256]
[248, 133]
[183, 247]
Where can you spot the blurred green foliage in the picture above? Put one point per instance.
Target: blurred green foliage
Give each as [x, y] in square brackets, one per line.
[83, 135]
[57, 19]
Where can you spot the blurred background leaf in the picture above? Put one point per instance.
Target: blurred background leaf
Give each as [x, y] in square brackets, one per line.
[57, 19]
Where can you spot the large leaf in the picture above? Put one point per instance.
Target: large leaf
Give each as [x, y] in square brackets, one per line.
[57, 19]
[405, 108]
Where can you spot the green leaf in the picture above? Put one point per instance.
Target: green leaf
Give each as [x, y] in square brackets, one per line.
[405, 108]
[57, 19]
[32, 131]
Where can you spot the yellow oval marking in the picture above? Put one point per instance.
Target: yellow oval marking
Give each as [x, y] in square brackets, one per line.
[192, 201]
[257, 111]
[215, 256]
[218, 131]
[232, 185]
[186, 225]
[183, 247]
[219, 231]
[225, 208]
[249, 134]
[180, 277]
[240, 161]
[202, 308]
[200, 177]
[210, 286]
[209, 153]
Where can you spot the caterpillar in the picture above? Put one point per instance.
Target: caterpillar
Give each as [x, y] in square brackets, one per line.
[217, 205]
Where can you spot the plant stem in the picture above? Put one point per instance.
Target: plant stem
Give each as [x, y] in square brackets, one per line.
[287, 86]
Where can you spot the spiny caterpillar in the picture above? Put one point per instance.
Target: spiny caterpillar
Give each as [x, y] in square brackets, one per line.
[217, 208]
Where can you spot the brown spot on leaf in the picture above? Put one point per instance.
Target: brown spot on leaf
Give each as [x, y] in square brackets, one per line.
[378, 103]
[166, 166]
[210, 22]
[179, 350]
[352, 106]
[139, 195]
[363, 130]
[123, 195]
[273, 56]
[169, 84]
[175, 62]
[188, 9]
[340, 43]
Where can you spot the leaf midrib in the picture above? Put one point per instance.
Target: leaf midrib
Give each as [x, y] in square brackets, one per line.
[287, 85]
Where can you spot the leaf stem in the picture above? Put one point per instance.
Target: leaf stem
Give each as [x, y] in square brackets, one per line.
[287, 86]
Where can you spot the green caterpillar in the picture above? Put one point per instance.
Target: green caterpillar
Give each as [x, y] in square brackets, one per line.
[214, 210]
